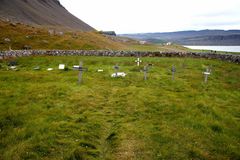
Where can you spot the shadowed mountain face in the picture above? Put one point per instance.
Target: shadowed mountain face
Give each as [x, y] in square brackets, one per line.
[41, 12]
[203, 37]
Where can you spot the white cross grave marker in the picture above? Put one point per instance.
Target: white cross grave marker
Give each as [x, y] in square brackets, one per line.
[206, 74]
[138, 61]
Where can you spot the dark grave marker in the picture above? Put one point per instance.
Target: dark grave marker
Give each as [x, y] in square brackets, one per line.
[81, 69]
[150, 65]
[173, 71]
[12, 63]
[116, 67]
[145, 71]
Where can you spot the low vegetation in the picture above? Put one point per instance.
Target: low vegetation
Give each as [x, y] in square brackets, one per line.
[47, 115]
[19, 36]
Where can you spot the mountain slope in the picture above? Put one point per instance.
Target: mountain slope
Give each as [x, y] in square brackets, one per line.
[19, 36]
[203, 37]
[40, 12]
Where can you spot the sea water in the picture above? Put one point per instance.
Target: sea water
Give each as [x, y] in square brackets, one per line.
[217, 48]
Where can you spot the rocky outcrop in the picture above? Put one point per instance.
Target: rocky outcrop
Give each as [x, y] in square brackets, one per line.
[21, 53]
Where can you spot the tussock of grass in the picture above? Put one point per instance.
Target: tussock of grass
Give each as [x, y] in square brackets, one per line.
[47, 115]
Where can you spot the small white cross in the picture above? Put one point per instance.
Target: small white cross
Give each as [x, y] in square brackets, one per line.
[207, 73]
[138, 61]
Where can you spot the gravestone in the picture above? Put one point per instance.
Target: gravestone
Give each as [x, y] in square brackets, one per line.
[61, 66]
[51, 32]
[206, 74]
[100, 70]
[36, 68]
[13, 67]
[49, 69]
[12, 63]
[118, 74]
[138, 61]
[173, 71]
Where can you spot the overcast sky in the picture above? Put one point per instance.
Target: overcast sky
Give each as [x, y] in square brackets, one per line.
[137, 16]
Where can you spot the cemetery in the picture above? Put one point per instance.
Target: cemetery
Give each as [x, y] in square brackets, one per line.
[119, 107]
[159, 87]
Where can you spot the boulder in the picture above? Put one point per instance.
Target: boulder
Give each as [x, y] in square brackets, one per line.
[27, 47]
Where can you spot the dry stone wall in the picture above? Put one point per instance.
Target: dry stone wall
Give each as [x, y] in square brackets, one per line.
[22, 53]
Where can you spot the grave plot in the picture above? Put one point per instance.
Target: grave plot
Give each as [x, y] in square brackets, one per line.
[117, 73]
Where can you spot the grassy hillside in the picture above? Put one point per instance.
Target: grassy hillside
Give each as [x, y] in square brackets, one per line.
[47, 115]
[39, 38]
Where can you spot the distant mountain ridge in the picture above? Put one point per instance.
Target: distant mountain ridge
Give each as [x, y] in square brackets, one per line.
[203, 37]
[41, 12]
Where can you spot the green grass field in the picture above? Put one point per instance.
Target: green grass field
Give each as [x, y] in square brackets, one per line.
[47, 115]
